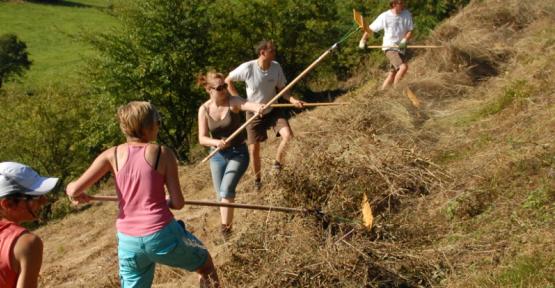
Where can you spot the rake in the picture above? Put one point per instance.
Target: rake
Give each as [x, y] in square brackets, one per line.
[319, 214]
[309, 104]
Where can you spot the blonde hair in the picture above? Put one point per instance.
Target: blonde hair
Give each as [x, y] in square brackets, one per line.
[203, 79]
[137, 116]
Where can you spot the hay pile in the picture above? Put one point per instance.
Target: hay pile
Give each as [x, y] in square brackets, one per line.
[383, 147]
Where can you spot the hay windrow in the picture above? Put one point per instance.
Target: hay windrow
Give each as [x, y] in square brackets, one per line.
[386, 149]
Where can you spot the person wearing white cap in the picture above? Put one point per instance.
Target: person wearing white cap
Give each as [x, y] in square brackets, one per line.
[22, 196]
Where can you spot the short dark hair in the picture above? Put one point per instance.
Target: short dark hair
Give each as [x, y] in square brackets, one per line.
[393, 2]
[262, 45]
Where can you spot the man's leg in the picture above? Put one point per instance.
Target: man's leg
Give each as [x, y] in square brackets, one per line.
[389, 79]
[254, 151]
[286, 135]
[399, 75]
[395, 74]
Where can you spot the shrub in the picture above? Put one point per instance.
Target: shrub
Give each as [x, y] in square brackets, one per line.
[14, 59]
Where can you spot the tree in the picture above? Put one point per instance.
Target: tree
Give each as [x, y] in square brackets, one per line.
[154, 56]
[14, 58]
[301, 30]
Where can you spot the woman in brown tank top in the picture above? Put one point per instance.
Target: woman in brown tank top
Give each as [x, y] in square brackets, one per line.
[218, 118]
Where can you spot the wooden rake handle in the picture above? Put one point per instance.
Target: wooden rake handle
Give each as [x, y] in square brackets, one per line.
[408, 46]
[219, 204]
[309, 104]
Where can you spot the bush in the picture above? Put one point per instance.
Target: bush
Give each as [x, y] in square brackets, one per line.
[154, 57]
[57, 132]
[14, 59]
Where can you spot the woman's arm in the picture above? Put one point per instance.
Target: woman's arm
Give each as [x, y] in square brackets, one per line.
[27, 252]
[203, 136]
[100, 166]
[176, 200]
[239, 103]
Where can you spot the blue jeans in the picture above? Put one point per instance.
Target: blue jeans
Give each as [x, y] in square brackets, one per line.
[172, 246]
[227, 167]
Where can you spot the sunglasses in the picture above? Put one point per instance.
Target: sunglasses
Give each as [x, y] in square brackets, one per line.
[23, 197]
[220, 88]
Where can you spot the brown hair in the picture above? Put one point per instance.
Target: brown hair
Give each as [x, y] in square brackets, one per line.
[262, 45]
[393, 2]
[203, 79]
[137, 116]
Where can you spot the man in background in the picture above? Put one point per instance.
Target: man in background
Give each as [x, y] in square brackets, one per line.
[397, 25]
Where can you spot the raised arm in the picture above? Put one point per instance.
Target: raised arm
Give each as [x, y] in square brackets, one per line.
[101, 165]
[27, 252]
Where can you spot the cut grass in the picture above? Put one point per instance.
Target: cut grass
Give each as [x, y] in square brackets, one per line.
[50, 34]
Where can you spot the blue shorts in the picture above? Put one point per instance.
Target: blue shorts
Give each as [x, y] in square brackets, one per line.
[227, 168]
[172, 246]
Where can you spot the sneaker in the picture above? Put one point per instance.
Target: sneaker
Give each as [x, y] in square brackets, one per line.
[226, 231]
[276, 166]
[257, 184]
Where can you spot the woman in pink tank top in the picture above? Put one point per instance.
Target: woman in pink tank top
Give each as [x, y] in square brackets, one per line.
[146, 229]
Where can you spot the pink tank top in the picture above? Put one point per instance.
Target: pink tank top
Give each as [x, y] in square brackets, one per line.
[9, 232]
[143, 209]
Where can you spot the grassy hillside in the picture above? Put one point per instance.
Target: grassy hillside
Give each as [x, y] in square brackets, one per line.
[49, 31]
[462, 187]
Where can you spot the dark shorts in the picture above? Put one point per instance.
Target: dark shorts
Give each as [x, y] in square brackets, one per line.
[395, 59]
[256, 130]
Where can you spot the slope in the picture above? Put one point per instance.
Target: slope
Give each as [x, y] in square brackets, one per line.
[462, 188]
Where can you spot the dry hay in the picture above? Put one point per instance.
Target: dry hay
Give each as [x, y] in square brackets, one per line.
[362, 149]
[376, 148]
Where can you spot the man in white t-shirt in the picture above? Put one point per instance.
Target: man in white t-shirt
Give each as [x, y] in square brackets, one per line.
[264, 79]
[397, 25]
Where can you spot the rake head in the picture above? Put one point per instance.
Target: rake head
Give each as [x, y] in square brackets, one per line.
[361, 23]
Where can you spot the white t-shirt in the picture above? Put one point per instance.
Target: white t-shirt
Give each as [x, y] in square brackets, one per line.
[395, 26]
[261, 84]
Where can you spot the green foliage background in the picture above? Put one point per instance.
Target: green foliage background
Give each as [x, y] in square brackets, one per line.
[163, 45]
[152, 50]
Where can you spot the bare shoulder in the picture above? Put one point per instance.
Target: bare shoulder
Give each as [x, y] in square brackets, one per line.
[168, 153]
[27, 245]
[204, 105]
[108, 154]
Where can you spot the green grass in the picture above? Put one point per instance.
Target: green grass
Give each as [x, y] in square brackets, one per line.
[525, 271]
[515, 94]
[50, 34]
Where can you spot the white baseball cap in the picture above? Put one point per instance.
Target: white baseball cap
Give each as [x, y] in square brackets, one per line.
[18, 178]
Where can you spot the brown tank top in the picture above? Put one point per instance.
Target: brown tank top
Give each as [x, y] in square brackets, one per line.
[223, 128]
